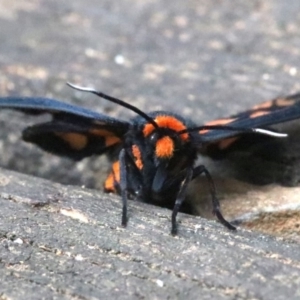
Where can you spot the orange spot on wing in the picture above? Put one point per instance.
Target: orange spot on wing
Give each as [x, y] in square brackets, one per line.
[219, 122]
[164, 147]
[284, 102]
[277, 102]
[112, 178]
[166, 122]
[110, 137]
[137, 155]
[259, 114]
[266, 104]
[223, 144]
[76, 141]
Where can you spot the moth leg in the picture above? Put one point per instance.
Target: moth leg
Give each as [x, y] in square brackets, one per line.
[180, 198]
[216, 205]
[123, 185]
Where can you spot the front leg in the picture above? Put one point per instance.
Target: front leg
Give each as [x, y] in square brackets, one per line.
[216, 205]
[180, 198]
[129, 182]
[123, 185]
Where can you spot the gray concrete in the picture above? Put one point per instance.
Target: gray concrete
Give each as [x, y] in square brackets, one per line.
[60, 242]
[203, 59]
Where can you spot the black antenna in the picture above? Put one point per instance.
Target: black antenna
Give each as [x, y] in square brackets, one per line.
[232, 128]
[115, 100]
[150, 120]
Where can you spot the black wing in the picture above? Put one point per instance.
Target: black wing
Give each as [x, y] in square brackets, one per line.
[74, 131]
[268, 113]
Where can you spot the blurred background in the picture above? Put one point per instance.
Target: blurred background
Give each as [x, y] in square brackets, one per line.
[203, 59]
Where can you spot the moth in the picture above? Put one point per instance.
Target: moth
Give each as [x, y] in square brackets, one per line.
[155, 152]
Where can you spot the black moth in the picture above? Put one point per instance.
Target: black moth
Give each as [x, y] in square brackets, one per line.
[156, 151]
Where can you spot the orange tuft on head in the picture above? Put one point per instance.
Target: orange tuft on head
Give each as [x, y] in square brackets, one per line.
[166, 122]
[164, 147]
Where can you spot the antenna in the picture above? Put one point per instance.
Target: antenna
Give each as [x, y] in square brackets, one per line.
[232, 128]
[114, 100]
[150, 120]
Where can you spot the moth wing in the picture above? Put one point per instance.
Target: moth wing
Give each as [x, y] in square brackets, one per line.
[263, 115]
[74, 131]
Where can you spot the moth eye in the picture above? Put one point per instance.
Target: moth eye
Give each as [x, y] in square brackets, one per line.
[153, 138]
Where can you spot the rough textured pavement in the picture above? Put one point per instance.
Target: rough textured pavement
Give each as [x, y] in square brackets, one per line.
[203, 59]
